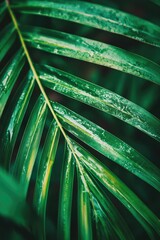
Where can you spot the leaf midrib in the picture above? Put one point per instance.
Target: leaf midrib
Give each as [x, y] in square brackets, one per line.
[45, 95]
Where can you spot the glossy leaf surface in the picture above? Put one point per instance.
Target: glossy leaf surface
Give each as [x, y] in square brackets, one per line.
[12, 120]
[94, 203]
[109, 145]
[97, 16]
[29, 145]
[65, 198]
[100, 98]
[84, 212]
[91, 51]
[106, 213]
[44, 175]
[119, 190]
[8, 77]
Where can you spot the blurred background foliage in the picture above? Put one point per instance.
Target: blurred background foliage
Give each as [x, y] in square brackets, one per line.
[133, 88]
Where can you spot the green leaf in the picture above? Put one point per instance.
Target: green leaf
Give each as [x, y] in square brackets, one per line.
[106, 212]
[44, 174]
[8, 77]
[12, 119]
[97, 16]
[84, 212]
[100, 98]
[91, 51]
[28, 148]
[65, 198]
[13, 203]
[94, 208]
[108, 145]
[7, 38]
[139, 210]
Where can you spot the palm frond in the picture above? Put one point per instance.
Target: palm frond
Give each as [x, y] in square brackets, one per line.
[34, 127]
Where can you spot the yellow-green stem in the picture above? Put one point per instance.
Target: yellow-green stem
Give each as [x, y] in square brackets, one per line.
[44, 93]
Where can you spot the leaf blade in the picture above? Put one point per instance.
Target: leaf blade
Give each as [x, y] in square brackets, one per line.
[44, 174]
[97, 16]
[100, 98]
[84, 212]
[8, 77]
[119, 190]
[29, 145]
[65, 198]
[91, 51]
[112, 218]
[13, 119]
[108, 145]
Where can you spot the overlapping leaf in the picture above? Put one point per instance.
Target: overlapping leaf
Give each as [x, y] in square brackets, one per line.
[44, 174]
[91, 51]
[93, 206]
[28, 148]
[65, 198]
[120, 190]
[8, 77]
[95, 16]
[13, 203]
[12, 120]
[109, 145]
[100, 98]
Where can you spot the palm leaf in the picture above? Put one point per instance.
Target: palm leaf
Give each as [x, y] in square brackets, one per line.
[29, 116]
[13, 119]
[91, 51]
[100, 98]
[9, 76]
[95, 16]
[13, 203]
[84, 212]
[106, 213]
[108, 145]
[30, 143]
[44, 173]
[65, 198]
[121, 191]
